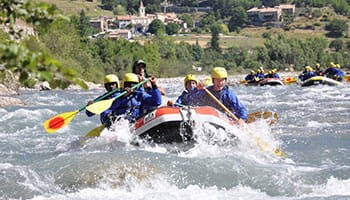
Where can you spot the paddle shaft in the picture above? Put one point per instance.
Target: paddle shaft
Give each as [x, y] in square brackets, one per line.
[222, 105]
[134, 87]
[261, 144]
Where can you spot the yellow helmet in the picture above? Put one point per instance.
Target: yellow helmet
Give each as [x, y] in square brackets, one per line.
[207, 82]
[332, 64]
[337, 66]
[258, 70]
[111, 78]
[318, 65]
[252, 71]
[219, 72]
[130, 77]
[274, 70]
[308, 67]
[190, 77]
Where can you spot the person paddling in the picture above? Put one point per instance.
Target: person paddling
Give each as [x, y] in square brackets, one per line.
[190, 82]
[199, 97]
[307, 73]
[334, 72]
[111, 83]
[131, 105]
[139, 68]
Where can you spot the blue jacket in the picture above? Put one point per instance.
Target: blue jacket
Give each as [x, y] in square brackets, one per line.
[181, 99]
[132, 105]
[89, 114]
[225, 96]
[306, 75]
[249, 77]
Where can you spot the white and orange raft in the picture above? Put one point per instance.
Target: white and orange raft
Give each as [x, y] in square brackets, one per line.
[176, 125]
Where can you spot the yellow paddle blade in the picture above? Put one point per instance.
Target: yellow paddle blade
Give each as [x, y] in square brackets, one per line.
[96, 131]
[263, 146]
[59, 121]
[290, 80]
[100, 106]
[347, 78]
[271, 117]
[243, 82]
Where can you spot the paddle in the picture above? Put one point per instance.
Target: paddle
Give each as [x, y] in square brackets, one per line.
[61, 120]
[347, 78]
[252, 117]
[103, 105]
[271, 116]
[262, 145]
[290, 80]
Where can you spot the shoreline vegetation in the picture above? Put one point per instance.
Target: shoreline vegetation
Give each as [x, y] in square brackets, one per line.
[56, 50]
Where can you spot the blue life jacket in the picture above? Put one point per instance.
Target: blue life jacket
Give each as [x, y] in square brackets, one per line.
[225, 96]
[181, 100]
[306, 75]
[131, 106]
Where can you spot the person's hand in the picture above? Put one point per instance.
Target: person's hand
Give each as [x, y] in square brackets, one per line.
[90, 102]
[170, 103]
[153, 80]
[200, 86]
[129, 91]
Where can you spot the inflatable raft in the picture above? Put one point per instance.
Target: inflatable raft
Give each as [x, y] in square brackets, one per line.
[176, 125]
[320, 80]
[271, 81]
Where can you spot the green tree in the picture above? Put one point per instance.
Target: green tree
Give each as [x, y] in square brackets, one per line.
[156, 26]
[172, 28]
[214, 42]
[336, 44]
[187, 19]
[238, 20]
[336, 27]
[28, 64]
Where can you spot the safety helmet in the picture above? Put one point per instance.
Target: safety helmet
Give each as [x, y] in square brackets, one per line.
[219, 72]
[318, 65]
[308, 67]
[190, 77]
[258, 71]
[207, 82]
[111, 78]
[332, 64]
[337, 66]
[252, 71]
[130, 77]
[274, 70]
[138, 63]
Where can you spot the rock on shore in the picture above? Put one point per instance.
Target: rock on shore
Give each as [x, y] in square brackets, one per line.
[6, 98]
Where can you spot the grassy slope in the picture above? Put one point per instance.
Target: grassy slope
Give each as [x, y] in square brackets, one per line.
[73, 7]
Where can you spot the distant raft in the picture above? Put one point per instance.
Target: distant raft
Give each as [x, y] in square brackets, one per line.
[271, 82]
[320, 80]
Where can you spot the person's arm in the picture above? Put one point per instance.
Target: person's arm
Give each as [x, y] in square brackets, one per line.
[236, 107]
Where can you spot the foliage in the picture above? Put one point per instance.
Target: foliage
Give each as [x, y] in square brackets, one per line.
[239, 19]
[187, 19]
[156, 26]
[172, 28]
[336, 27]
[214, 42]
[336, 44]
[18, 58]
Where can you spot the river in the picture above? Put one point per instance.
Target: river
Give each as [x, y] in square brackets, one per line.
[313, 130]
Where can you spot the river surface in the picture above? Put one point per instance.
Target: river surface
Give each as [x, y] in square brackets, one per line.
[313, 130]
